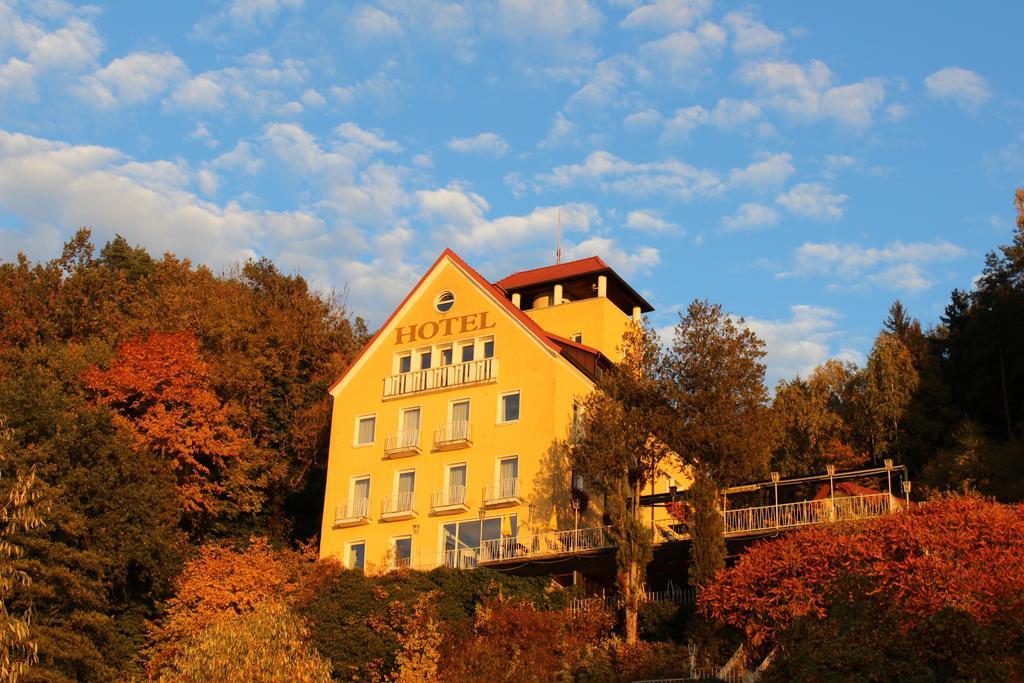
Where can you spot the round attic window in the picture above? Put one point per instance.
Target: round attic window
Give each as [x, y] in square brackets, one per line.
[444, 302]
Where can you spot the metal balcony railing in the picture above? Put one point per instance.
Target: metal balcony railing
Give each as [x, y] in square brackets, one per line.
[406, 442]
[398, 504]
[452, 495]
[501, 490]
[452, 435]
[356, 509]
[458, 374]
[805, 512]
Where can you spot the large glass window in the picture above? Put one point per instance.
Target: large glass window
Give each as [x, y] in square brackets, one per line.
[462, 539]
[366, 430]
[357, 555]
[403, 551]
[509, 407]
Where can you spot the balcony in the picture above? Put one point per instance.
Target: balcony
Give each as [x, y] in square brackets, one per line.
[401, 444]
[353, 513]
[449, 500]
[398, 506]
[444, 377]
[502, 493]
[448, 437]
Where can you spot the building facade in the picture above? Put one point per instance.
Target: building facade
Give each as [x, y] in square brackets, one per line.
[448, 431]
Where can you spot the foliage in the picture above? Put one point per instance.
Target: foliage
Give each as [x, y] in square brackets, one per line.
[18, 511]
[707, 547]
[511, 640]
[268, 643]
[715, 382]
[959, 553]
[863, 637]
[223, 580]
[356, 619]
[160, 387]
[617, 453]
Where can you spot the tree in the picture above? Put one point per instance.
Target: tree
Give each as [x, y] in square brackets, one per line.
[269, 643]
[617, 453]
[714, 380]
[892, 380]
[957, 552]
[707, 549]
[159, 386]
[18, 512]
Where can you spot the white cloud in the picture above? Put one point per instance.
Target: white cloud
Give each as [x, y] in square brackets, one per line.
[685, 54]
[561, 28]
[560, 131]
[644, 118]
[484, 144]
[797, 345]
[202, 133]
[809, 93]
[684, 122]
[666, 15]
[241, 16]
[258, 84]
[750, 35]
[638, 262]
[610, 173]
[650, 223]
[311, 98]
[813, 200]
[17, 79]
[750, 216]
[34, 50]
[372, 23]
[134, 79]
[897, 266]
[242, 158]
[727, 114]
[963, 87]
[897, 112]
[768, 171]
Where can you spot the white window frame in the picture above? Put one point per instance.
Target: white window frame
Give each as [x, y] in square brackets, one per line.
[497, 465]
[470, 343]
[440, 349]
[501, 407]
[399, 356]
[355, 431]
[405, 470]
[401, 417]
[352, 485]
[348, 553]
[451, 408]
[448, 466]
[577, 337]
[394, 553]
[483, 342]
[418, 358]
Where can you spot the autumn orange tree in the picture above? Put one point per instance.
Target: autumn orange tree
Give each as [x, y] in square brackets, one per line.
[959, 554]
[159, 386]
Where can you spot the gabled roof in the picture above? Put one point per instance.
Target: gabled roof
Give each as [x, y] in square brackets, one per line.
[567, 271]
[543, 336]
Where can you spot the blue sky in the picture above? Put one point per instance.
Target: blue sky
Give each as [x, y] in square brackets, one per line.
[804, 164]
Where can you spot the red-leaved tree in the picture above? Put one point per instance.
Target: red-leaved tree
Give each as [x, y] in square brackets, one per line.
[159, 386]
[954, 553]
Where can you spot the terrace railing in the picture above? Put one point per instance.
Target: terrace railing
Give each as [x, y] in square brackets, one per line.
[455, 375]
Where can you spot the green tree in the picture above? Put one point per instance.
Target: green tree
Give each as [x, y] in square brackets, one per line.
[18, 512]
[617, 453]
[722, 426]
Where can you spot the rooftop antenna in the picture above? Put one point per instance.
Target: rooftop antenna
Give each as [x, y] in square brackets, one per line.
[558, 238]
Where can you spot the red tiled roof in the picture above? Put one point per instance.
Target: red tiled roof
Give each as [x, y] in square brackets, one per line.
[545, 337]
[560, 271]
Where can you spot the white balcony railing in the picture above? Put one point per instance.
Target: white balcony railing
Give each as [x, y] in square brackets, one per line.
[458, 374]
[448, 497]
[353, 511]
[399, 505]
[402, 443]
[502, 491]
[452, 435]
[805, 512]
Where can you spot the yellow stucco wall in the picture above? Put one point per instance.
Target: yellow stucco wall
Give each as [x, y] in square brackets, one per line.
[600, 322]
[547, 384]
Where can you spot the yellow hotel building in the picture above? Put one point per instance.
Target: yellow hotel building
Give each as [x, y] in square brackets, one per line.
[445, 430]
